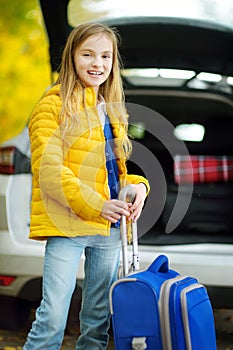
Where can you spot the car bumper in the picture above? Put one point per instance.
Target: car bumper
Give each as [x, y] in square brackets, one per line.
[24, 262]
[211, 264]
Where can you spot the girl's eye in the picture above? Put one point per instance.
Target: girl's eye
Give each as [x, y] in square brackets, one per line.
[106, 56]
[87, 54]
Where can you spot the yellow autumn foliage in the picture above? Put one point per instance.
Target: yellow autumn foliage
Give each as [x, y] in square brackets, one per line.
[24, 67]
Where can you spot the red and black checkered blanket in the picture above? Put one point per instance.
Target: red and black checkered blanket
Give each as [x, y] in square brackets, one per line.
[202, 169]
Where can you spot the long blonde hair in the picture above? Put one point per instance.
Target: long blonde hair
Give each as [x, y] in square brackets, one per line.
[111, 89]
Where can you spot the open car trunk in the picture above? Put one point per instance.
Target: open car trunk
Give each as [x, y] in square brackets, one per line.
[208, 174]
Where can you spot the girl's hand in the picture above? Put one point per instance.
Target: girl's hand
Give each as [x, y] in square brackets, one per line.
[138, 203]
[113, 209]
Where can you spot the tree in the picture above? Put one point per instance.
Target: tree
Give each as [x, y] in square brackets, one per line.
[25, 70]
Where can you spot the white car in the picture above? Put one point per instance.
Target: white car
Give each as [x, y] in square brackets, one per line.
[178, 85]
[21, 259]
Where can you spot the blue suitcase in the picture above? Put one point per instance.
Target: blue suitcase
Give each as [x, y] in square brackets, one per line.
[160, 309]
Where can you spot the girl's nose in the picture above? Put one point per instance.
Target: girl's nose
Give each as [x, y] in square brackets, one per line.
[96, 62]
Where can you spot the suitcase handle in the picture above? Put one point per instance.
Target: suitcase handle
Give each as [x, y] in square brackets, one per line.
[127, 194]
[160, 264]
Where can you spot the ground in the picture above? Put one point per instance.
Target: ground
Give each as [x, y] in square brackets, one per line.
[12, 340]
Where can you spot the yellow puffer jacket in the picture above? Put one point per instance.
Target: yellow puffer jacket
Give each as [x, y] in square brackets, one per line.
[70, 180]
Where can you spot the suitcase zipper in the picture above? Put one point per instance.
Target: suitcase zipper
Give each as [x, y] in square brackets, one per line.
[185, 318]
[164, 311]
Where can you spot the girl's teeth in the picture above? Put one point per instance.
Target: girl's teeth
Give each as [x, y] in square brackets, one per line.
[95, 73]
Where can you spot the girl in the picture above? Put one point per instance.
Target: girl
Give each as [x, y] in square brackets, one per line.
[79, 144]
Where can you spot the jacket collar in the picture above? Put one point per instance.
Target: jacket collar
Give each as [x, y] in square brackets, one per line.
[89, 96]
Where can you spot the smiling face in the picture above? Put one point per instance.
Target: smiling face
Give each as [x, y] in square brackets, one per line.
[93, 60]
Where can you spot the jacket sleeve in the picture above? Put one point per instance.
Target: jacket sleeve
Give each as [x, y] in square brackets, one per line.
[56, 180]
[136, 179]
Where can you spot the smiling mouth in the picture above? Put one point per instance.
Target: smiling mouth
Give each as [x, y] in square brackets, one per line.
[94, 73]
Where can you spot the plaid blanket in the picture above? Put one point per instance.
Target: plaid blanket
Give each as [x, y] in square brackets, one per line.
[203, 169]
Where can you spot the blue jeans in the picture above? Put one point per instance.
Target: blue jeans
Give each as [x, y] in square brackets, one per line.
[61, 262]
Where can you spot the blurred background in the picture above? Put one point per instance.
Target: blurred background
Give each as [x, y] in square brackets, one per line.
[24, 67]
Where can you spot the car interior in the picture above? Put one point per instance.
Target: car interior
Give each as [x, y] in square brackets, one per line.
[209, 215]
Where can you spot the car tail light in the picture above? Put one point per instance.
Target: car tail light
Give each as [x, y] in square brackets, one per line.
[6, 281]
[7, 160]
